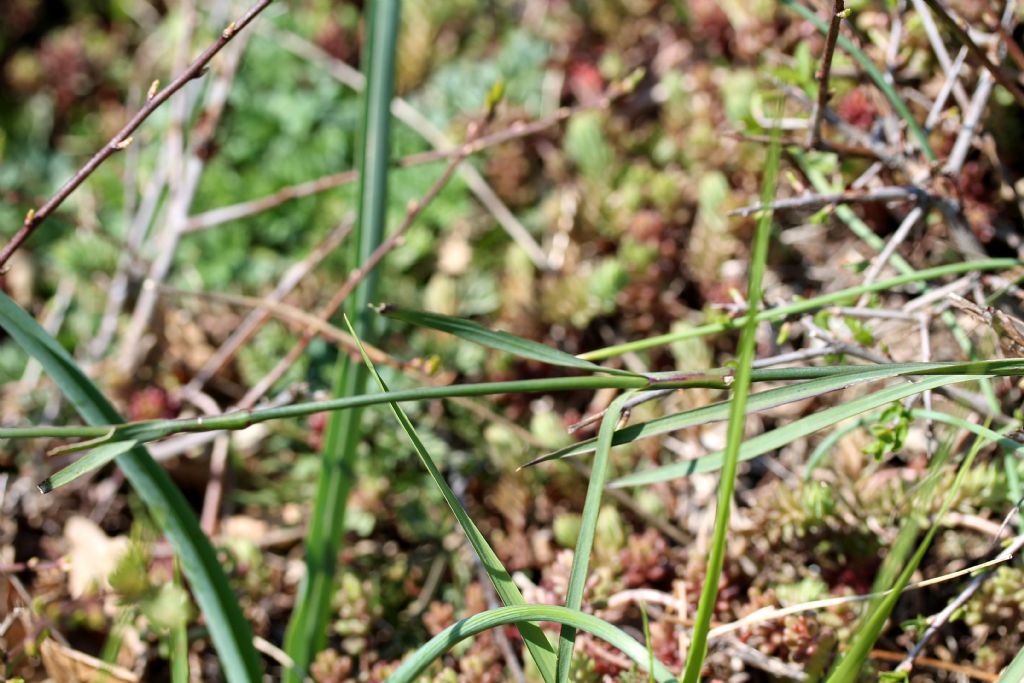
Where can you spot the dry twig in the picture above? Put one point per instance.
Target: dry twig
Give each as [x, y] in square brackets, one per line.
[123, 137]
[814, 134]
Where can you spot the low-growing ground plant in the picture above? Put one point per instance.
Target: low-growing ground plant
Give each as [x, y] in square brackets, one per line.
[649, 428]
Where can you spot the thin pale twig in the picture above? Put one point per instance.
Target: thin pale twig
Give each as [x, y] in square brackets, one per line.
[178, 205]
[214, 217]
[773, 613]
[939, 48]
[123, 137]
[976, 52]
[817, 201]
[255, 319]
[355, 277]
[409, 115]
[880, 261]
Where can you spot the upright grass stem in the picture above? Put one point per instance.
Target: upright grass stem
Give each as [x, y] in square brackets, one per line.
[737, 420]
[307, 630]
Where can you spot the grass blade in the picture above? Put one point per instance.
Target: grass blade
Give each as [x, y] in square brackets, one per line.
[764, 400]
[307, 629]
[769, 441]
[780, 312]
[874, 73]
[178, 638]
[93, 460]
[737, 420]
[495, 339]
[150, 430]
[588, 527]
[536, 642]
[1008, 445]
[230, 632]
[444, 641]
[852, 663]
[1014, 671]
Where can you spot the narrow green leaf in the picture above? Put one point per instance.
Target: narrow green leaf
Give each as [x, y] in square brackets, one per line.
[495, 339]
[179, 643]
[780, 312]
[764, 400]
[230, 632]
[1008, 445]
[852, 663]
[876, 75]
[763, 443]
[737, 421]
[588, 527]
[444, 641]
[93, 460]
[537, 643]
[151, 430]
[1014, 671]
[306, 634]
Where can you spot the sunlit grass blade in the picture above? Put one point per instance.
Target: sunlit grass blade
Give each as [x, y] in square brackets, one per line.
[150, 430]
[588, 527]
[737, 421]
[93, 460]
[852, 663]
[447, 639]
[1014, 671]
[537, 643]
[804, 305]
[874, 73]
[230, 632]
[307, 630]
[495, 339]
[777, 438]
[766, 400]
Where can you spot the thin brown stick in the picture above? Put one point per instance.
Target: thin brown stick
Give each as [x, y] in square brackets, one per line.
[356, 276]
[252, 323]
[123, 137]
[976, 52]
[213, 217]
[1012, 48]
[814, 134]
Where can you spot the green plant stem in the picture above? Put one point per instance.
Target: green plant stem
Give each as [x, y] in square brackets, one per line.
[150, 430]
[444, 641]
[852, 663]
[780, 312]
[588, 527]
[734, 433]
[307, 630]
[536, 641]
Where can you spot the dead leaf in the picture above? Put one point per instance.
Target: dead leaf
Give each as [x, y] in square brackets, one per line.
[65, 665]
[93, 555]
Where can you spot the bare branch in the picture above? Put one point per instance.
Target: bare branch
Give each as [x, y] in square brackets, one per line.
[817, 201]
[814, 134]
[976, 52]
[213, 217]
[123, 137]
